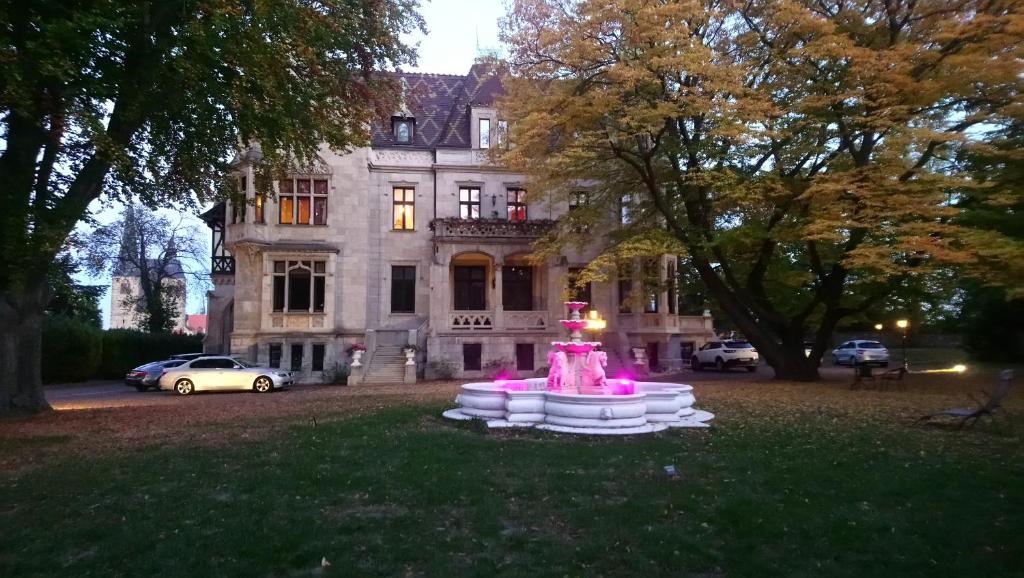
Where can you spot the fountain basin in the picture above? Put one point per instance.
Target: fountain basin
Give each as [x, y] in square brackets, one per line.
[582, 347]
[642, 407]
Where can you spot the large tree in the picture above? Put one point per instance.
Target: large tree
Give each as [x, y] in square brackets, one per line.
[150, 99]
[797, 152]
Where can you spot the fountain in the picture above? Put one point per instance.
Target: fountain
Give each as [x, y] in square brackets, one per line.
[577, 396]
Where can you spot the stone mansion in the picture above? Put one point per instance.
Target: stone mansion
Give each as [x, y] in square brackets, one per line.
[417, 239]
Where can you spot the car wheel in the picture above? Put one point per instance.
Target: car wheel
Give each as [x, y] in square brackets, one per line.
[184, 387]
[720, 364]
[141, 387]
[263, 384]
[836, 360]
[751, 369]
[853, 361]
[695, 364]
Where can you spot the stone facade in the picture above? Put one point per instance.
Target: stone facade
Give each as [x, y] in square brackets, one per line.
[124, 315]
[451, 286]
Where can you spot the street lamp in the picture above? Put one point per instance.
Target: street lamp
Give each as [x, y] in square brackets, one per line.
[903, 324]
[878, 326]
[595, 324]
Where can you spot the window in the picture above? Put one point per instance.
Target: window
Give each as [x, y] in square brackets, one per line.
[238, 202]
[275, 355]
[524, 357]
[296, 361]
[469, 202]
[403, 129]
[299, 286]
[318, 357]
[471, 354]
[303, 201]
[625, 288]
[578, 293]
[516, 202]
[403, 208]
[258, 209]
[403, 289]
[485, 133]
[470, 288]
[517, 288]
[502, 134]
[626, 209]
[579, 199]
[652, 285]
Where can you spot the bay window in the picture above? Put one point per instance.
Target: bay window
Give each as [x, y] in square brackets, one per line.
[299, 286]
[303, 201]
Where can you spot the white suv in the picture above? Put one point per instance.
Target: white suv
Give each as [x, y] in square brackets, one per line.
[861, 352]
[725, 354]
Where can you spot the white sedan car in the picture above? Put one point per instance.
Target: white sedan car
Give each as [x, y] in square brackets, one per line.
[861, 352]
[218, 373]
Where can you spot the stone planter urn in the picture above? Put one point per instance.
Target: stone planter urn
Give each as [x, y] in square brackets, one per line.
[357, 356]
[410, 356]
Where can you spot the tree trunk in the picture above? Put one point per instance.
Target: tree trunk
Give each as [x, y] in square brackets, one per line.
[21, 332]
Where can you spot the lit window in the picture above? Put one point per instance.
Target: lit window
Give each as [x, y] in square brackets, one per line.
[299, 286]
[516, 205]
[403, 129]
[258, 209]
[238, 201]
[469, 202]
[403, 208]
[485, 133]
[303, 201]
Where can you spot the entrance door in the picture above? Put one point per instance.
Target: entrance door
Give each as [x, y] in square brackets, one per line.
[470, 288]
[652, 355]
[524, 356]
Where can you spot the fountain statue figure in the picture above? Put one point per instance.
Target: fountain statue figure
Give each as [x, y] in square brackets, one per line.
[575, 366]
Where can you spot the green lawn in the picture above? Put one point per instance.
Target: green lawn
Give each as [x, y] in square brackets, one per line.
[403, 492]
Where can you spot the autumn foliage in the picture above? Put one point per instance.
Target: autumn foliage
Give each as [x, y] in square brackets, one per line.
[800, 154]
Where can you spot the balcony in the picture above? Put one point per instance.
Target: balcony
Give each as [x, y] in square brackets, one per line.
[454, 229]
[485, 321]
[223, 266]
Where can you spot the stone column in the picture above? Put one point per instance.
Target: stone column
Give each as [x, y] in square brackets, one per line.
[499, 298]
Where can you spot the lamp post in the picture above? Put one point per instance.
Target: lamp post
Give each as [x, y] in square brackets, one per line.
[878, 326]
[903, 324]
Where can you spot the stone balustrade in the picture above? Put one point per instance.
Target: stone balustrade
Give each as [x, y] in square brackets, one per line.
[453, 228]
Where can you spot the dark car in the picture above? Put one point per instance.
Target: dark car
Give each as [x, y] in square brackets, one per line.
[148, 376]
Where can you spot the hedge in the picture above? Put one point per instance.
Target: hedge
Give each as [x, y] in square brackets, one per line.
[76, 351]
[72, 350]
[124, 349]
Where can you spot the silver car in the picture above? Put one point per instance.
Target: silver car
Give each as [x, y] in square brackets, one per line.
[218, 373]
[861, 352]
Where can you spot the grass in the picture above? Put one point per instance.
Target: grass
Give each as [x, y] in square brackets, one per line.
[816, 491]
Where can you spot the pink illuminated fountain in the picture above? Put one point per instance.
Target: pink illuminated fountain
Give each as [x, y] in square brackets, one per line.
[577, 397]
[575, 365]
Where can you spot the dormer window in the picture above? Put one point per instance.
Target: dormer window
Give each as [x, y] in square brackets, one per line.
[485, 133]
[403, 129]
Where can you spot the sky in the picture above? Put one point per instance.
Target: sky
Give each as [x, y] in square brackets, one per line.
[455, 30]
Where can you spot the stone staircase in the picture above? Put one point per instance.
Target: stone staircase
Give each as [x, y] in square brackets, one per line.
[387, 366]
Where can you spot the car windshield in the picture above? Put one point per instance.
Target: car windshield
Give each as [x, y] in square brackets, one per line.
[171, 363]
[148, 366]
[870, 345]
[738, 345]
[244, 363]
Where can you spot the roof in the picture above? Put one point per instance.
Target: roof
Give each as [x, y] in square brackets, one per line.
[441, 105]
[126, 269]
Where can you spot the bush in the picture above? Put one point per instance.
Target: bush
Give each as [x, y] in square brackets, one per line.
[124, 349]
[443, 368]
[338, 375]
[71, 350]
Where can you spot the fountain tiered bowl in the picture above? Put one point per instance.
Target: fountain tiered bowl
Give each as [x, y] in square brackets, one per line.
[577, 397]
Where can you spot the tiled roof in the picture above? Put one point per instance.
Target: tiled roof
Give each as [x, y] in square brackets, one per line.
[440, 103]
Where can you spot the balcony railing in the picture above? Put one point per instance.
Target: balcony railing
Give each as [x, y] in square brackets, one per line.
[223, 266]
[471, 321]
[452, 228]
[526, 320]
